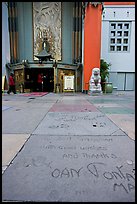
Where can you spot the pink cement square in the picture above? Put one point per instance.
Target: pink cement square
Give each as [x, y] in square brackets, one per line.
[73, 108]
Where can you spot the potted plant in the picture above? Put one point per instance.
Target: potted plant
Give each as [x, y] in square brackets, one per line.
[107, 86]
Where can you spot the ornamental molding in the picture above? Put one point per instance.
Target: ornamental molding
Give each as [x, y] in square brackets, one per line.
[95, 4]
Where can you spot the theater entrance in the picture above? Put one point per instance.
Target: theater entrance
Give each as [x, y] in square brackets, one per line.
[48, 79]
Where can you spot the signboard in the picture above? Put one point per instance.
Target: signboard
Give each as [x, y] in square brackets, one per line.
[69, 82]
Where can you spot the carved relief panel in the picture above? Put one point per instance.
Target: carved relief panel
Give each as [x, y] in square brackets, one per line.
[47, 28]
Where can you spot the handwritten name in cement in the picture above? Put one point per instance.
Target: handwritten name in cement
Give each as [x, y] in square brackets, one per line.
[81, 138]
[67, 117]
[84, 155]
[121, 179]
[62, 147]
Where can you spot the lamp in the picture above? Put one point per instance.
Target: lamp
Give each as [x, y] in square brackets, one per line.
[43, 55]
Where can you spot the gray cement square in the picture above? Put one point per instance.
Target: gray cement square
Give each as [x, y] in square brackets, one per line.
[80, 123]
[11, 144]
[117, 110]
[14, 103]
[125, 121]
[22, 120]
[73, 169]
[102, 105]
[6, 107]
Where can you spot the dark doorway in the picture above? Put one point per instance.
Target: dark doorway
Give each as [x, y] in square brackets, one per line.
[48, 79]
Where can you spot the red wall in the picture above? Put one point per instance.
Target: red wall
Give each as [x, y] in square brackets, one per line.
[92, 41]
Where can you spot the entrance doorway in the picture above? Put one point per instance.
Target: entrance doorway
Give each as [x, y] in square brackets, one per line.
[48, 79]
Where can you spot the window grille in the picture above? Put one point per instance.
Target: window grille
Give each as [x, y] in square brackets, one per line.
[119, 36]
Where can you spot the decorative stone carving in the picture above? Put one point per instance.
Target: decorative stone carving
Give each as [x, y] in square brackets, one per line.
[47, 28]
[95, 3]
[95, 82]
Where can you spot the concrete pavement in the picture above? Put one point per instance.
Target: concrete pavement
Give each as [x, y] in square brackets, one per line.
[69, 147]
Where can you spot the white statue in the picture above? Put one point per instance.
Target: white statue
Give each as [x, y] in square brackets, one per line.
[95, 81]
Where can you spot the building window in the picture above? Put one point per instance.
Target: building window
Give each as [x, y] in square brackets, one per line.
[118, 48]
[112, 48]
[112, 33]
[119, 25]
[113, 26]
[119, 33]
[125, 48]
[112, 40]
[126, 26]
[119, 36]
[125, 41]
[125, 33]
[119, 41]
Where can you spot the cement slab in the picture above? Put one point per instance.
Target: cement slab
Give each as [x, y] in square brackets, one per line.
[11, 144]
[29, 104]
[73, 169]
[130, 105]
[13, 97]
[74, 102]
[38, 105]
[109, 100]
[117, 110]
[126, 122]
[22, 120]
[6, 107]
[45, 100]
[100, 105]
[78, 123]
[14, 103]
[61, 107]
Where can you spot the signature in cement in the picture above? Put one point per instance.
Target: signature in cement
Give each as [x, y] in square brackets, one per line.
[120, 177]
